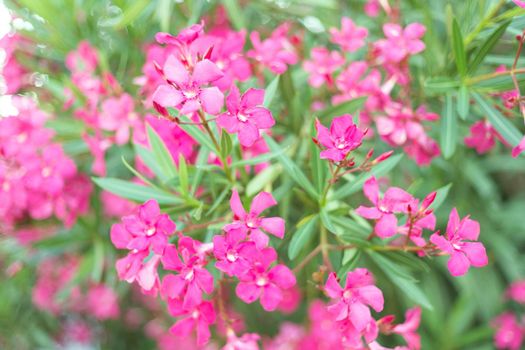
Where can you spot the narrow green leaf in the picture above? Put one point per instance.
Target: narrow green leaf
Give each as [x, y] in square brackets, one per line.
[319, 166]
[226, 145]
[161, 154]
[506, 129]
[347, 107]
[98, 261]
[263, 178]
[293, 170]
[356, 183]
[149, 159]
[202, 158]
[259, 159]
[463, 98]
[132, 191]
[448, 128]
[487, 46]
[302, 235]
[202, 138]
[350, 260]
[136, 173]
[327, 221]
[235, 13]
[402, 279]
[132, 13]
[459, 49]
[440, 84]
[183, 175]
[270, 92]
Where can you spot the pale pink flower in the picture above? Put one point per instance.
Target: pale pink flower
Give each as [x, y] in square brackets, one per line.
[519, 3]
[482, 137]
[372, 8]
[351, 37]
[102, 302]
[276, 52]
[459, 244]
[98, 146]
[83, 59]
[509, 332]
[118, 116]
[408, 329]
[342, 138]
[400, 43]
[251, 222]
[395, 200]
[246, 115]
[192, 279]
[186, 90]
[264, 282]
[352, 302]
[197, 317]
[247, 341]
[115, 206]
[322, 65]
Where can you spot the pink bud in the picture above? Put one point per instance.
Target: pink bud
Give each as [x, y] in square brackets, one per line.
[429, 200]
[383, 157]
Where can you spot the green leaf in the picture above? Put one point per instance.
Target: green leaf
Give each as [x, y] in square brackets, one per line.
[259, 159]
[350, 259]
[226, 145]
[319, 166]
[440, 84]
[132, 12]
[161, 154]
[293, 170]
[303, 234]
[463, 102]
[356, 183]
[448, 128]
[183, 175]
[132, 191]
[441, 195]
[327, 220]
[202, 158]
[270, 92]
[149, 159]
[487, 46]
[235, 13]
[401, 278]
[136, 173]
[459, 49]
[347, 107]
[263, 178]
[505, 128]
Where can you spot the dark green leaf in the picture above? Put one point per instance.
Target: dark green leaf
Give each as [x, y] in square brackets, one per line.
[302, 235]
[459, 49]
[487, 46]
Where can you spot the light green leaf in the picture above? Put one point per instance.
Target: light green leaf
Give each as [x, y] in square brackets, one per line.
[183, 175]
[149, 159]
[459, 49]
[161, 154]
[134, 192]
[347, 107]
[226, 145]
[132, 12]
[441, 195]
[235, 13]
[487, 46]
[463, 102]
[302, 235]
[270, 92]
[448, 128]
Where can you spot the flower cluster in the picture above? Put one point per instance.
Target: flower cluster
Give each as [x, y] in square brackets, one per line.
[38, 180]
[510, 328]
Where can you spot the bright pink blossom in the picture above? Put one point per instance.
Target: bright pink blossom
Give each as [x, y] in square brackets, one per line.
[352, 302]
[459, 244]
[510, 333]
[264, 282]
[516, 151]
[408, 329]
[192, 278]
[247, 341]
[197, 317]
[251, 222]
[482, 137]
[147, 228]
[400, 43]
[351, 37]
[520, 3]
[342, 138]
[516, 291]
[322, 65]
[246, 115]
[186, 90]
[102, 302]
[233, 252]
[395, 200]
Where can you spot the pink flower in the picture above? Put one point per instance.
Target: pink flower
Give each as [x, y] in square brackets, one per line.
[83, 59]
[342, 138]
[509, 332]
[372, 8]
[232, 252]
[462, 253]
[276, 52]
[102, 302]
[185, 91]
[247, 341]
[395, 200]
[322, 65]
[197, 317]
[519, 3]
[264, 282]
[132, 268]
[246, 115]
[351, 37]
[419, 219]
[291, 300]
[399, 42]
[482, 137]
[516, 151]
[147, 228]
[408, 329]
[516, 292]
[351, 302]
[251, 222]
[118, 116]
[192, 279]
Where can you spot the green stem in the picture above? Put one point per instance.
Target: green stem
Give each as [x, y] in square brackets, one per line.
[484, 22]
